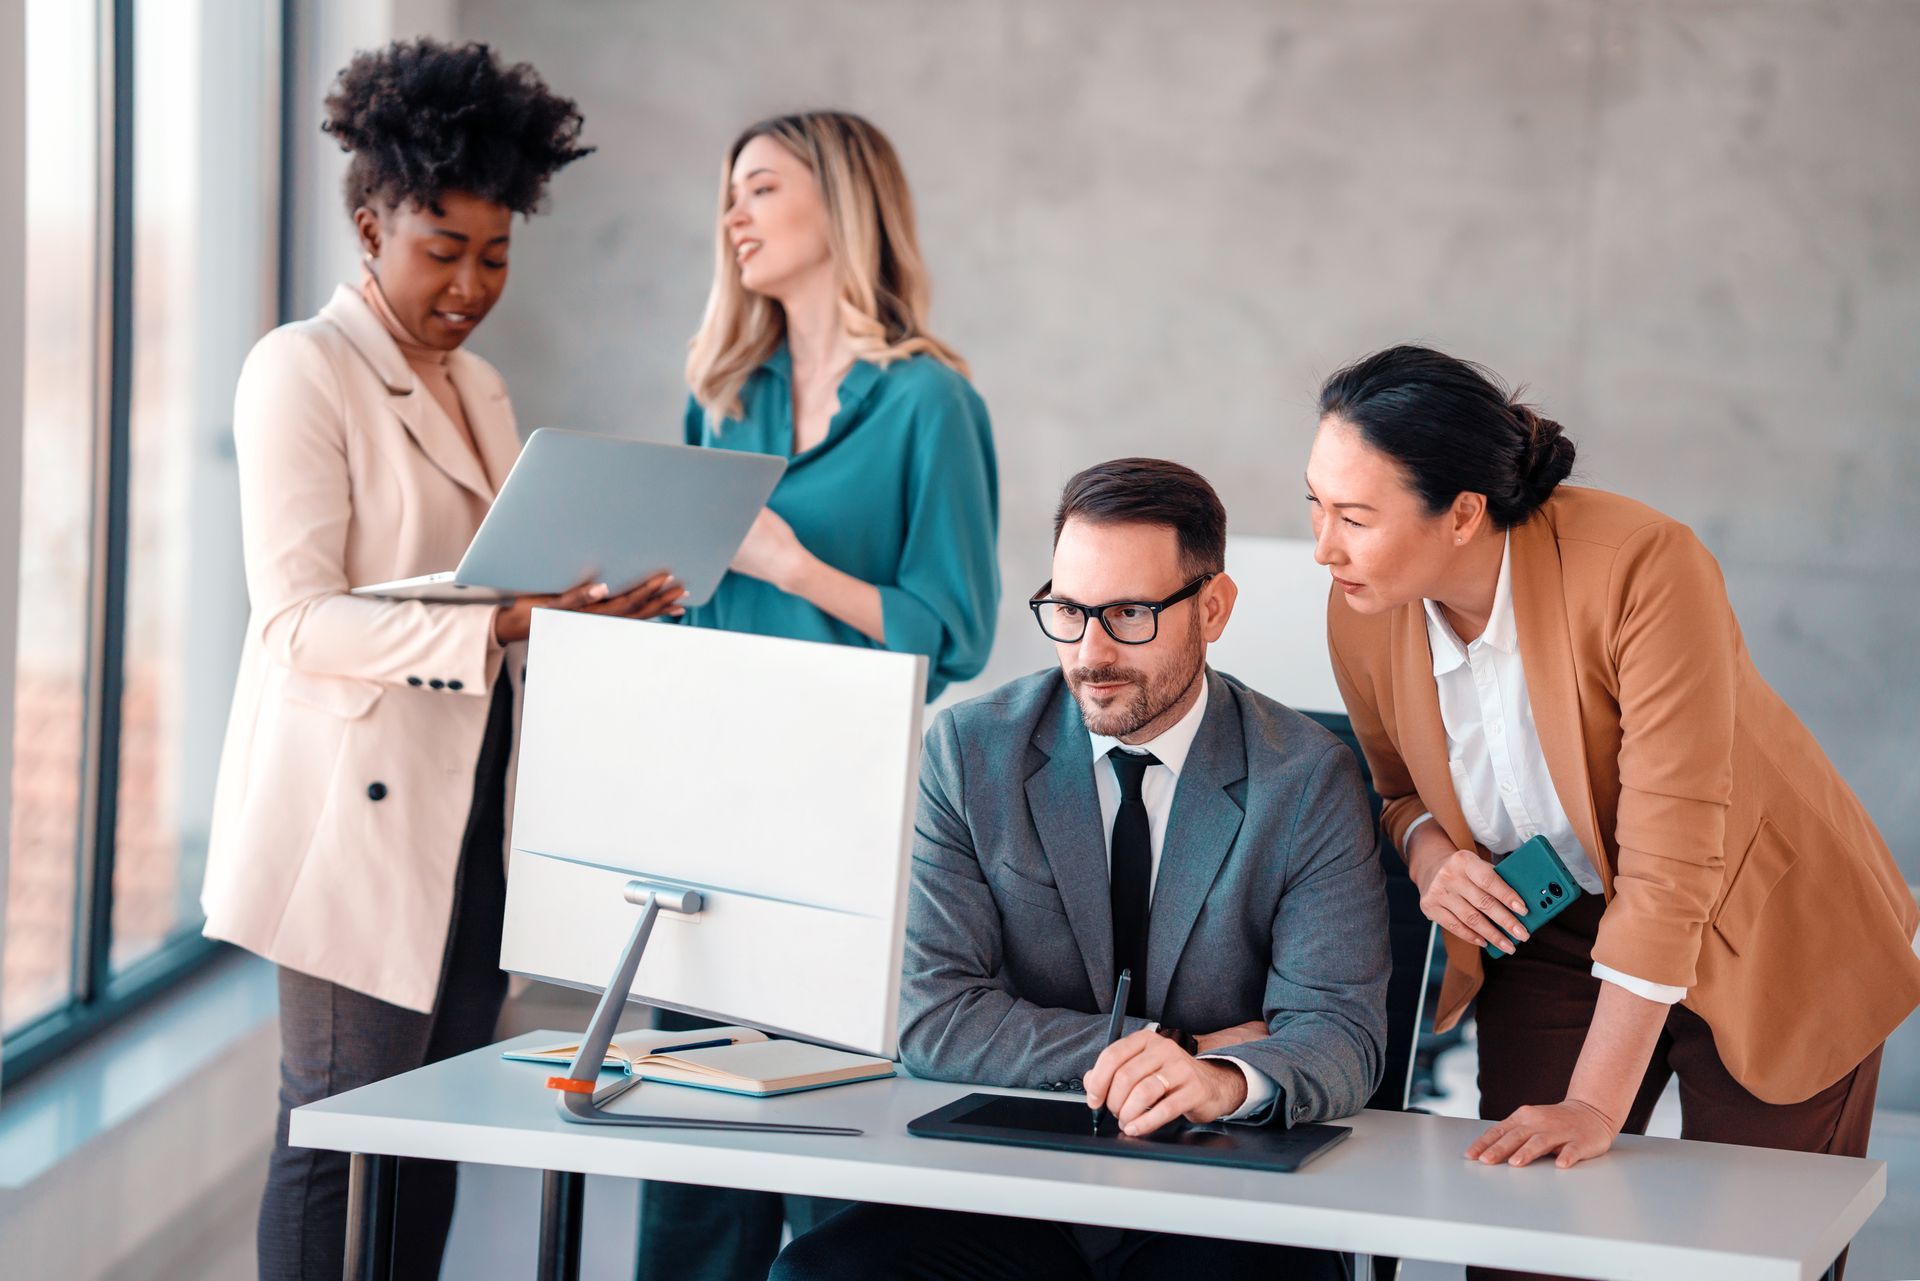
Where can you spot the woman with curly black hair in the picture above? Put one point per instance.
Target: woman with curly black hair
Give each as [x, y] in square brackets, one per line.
[359, 820]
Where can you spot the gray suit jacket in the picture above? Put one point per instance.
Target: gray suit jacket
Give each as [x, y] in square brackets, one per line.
[1269, 901]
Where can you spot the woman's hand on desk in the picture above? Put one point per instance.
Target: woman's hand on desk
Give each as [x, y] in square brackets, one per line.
[1577, 1130]
[658, 595]
[1461, 893]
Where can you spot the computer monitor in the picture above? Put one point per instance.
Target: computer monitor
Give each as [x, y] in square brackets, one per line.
[775, 777]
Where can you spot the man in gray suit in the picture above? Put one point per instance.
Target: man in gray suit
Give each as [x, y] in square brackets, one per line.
[1132, 810]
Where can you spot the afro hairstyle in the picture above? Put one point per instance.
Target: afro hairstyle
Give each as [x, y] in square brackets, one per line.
[422, 118]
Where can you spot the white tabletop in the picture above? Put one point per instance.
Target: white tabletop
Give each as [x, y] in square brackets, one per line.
[1398, 1186]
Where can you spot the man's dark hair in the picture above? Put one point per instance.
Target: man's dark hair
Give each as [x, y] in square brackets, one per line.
[1151, 491]
[424, 118]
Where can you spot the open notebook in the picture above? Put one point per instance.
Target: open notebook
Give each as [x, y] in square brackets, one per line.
[738, 1060]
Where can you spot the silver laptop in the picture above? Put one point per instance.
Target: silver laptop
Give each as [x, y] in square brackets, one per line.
[579, 506]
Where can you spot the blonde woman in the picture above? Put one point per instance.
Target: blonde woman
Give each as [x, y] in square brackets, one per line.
[814, 347]
[882, 531]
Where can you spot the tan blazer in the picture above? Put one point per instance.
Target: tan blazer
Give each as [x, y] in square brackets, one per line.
[348, 767]
[1735, 861]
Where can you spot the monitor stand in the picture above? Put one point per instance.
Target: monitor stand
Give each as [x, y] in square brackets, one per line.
[578, 1086]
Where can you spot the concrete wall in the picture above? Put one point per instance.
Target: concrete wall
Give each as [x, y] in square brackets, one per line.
[1692, 228]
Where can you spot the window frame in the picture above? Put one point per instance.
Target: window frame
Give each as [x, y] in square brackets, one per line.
[99, 997]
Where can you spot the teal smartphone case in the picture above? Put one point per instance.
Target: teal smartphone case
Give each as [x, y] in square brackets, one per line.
[1543, 883]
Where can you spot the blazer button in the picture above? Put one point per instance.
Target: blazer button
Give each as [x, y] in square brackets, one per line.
[415, 681]
[376, 791]
[437, 683]
[1076, 1085]
[455, 685]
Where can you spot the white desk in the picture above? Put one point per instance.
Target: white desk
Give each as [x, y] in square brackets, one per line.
[1653, 1208]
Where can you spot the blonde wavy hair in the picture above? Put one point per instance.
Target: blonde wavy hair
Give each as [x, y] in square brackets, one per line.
[883, 283]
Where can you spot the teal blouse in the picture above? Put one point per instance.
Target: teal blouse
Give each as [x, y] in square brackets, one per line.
[903, 493]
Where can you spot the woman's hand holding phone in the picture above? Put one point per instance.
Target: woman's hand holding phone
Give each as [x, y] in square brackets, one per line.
[1461, 893]
[660, 594]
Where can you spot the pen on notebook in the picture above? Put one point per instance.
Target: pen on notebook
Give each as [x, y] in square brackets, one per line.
[692, 1045]
[1116, 1023]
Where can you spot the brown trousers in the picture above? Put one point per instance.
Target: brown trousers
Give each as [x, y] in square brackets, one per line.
[1533, 1012]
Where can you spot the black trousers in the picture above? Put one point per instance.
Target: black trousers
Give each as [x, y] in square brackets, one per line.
[869, 1242]
[333, 1039]
[694, 1233]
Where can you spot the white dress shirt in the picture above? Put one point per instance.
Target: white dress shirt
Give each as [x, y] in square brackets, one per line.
[1157, 787]
[1493, 750]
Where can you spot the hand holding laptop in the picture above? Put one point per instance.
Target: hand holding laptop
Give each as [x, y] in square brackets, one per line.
[602, 512]
[660, 594]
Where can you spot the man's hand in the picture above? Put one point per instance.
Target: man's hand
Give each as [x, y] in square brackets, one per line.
[1146, 1080]
[1578, 1131]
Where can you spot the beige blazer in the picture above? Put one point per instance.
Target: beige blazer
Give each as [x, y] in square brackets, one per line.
[1735, 861]
[348, 766]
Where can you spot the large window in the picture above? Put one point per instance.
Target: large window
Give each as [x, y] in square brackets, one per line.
[153, 132]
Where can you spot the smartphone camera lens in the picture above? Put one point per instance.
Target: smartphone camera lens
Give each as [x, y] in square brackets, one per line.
[1553, 888]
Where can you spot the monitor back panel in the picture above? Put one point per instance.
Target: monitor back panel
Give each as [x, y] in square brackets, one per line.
[778, 777]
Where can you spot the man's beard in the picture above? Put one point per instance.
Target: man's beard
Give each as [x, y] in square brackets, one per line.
[1145, 700]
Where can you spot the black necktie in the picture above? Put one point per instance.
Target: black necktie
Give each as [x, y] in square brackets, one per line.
[1130, 874]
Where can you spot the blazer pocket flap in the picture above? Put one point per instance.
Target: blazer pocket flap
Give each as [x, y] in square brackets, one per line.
[344, 696]
[1768, 858]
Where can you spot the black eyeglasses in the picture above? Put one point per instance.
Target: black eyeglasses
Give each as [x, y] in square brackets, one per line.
[1131, 622]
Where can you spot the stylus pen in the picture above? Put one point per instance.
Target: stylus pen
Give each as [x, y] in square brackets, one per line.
[1116, 1023]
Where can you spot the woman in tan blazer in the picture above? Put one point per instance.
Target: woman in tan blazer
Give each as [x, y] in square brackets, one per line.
[358, 836]
[1523, 658]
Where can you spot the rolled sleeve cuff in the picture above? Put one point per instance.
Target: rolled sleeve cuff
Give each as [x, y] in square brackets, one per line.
[1664, 993]
[1261, 1090]
[1407, 835]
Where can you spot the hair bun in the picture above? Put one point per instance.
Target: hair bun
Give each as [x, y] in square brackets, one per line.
[1547, 458]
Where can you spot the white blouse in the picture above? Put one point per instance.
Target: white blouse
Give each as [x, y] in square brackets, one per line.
[1493, 750]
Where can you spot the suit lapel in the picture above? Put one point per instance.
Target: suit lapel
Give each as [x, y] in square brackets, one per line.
[1546, 652]
[1066, 814]
[1423, 735]
[432, 432]
[1201, 828]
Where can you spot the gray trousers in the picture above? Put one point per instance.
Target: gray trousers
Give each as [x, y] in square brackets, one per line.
[333, 1039]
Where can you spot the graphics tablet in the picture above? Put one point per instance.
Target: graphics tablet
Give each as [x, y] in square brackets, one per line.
[578, 506]
[1067, 1126]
